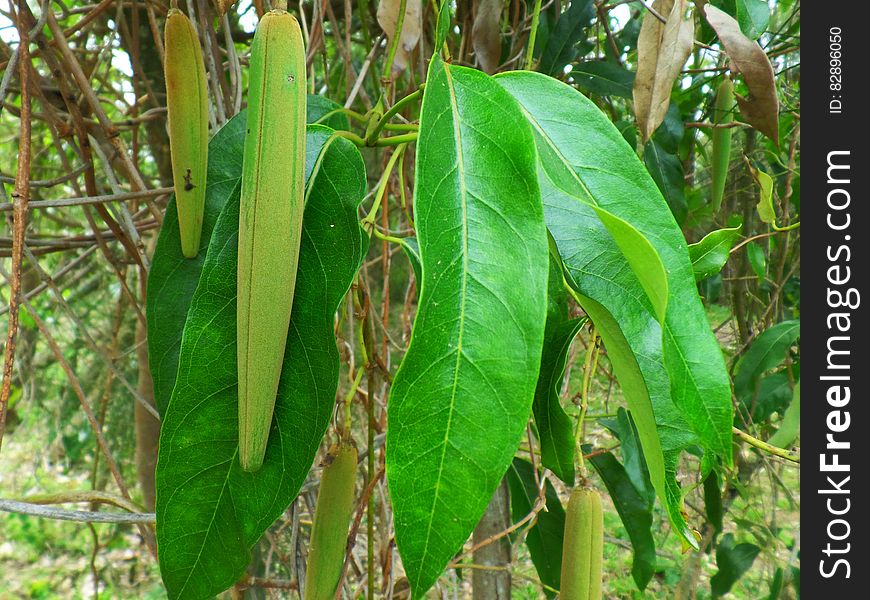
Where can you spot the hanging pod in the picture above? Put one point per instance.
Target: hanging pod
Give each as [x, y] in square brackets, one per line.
[270, 222]
[723, 114]
[331, 519]
[187, 112]
[583, 546]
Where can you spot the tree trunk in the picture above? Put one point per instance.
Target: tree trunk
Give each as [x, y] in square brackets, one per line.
[493, 584]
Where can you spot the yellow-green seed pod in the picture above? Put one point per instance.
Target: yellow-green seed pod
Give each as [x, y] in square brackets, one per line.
[270, 223]
[723, 114]
[331, 520]
[582, 547]
[187, 108]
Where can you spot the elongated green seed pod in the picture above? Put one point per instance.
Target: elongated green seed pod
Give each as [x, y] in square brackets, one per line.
[187, 108]
[270, 223]
[723, 114]
[331, 519]
[582, 547]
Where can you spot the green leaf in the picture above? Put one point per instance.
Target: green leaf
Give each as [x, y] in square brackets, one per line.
[635, 512]
[667, 171]
[766, 352]
[791, 422]
[603, 78]
[318, 107]
[753, 17]
[713, 500]
[210, 513]
[561, 46]
[712, 252]
[765, 209]
[578, 148]
[173, 278]
[757, 259]
[544, 539]
[555, 428]
[632, 453]
[463, 393]
[733, 561]
[412, 251]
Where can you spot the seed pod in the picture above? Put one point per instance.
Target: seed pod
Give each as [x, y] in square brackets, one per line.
[270, 223]
[583, 547]
[331, 519]
[187, 108]
[723, 114]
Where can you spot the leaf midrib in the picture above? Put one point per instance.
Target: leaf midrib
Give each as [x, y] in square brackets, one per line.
[464, 202]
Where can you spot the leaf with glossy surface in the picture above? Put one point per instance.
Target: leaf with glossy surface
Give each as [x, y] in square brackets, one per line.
[712, 252]
[210, 513]
[635, 512]
[544, 539]
[555, 428]
[578, 147]
[463, 393]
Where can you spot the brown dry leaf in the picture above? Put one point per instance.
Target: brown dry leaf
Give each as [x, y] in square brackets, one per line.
[388, 13]
[662, 50]
[761, 109]
[486, 33]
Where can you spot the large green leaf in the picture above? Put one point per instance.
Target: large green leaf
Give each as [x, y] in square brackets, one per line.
[672, 365]
[544, 539]
[173, 278]
[555, 428]
[210, 513]
[464, 390]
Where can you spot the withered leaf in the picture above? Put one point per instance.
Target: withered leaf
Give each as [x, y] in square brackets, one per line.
[486, 33]
[388, 17]
[761, 108]
[662, 50]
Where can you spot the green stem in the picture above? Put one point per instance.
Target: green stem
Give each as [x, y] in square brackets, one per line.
[392, 112]
[752, 441]
[394, 43]
[397, 140]
[369, 222]
[530, 48]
